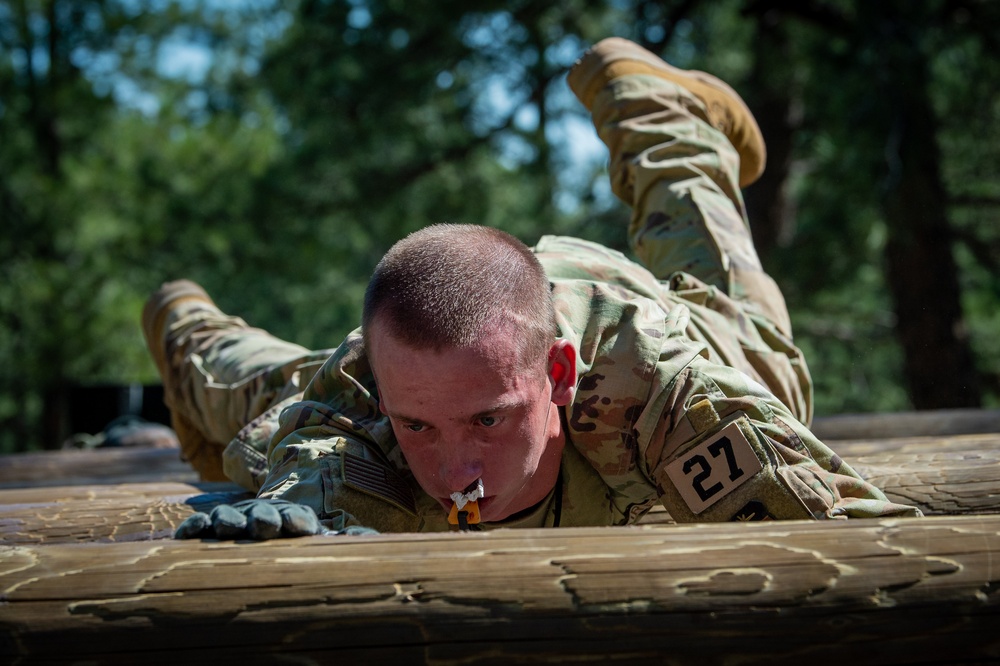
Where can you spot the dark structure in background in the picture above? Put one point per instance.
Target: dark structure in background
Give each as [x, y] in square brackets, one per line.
[90, 409]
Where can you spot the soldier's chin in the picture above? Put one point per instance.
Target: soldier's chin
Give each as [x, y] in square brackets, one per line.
[490, 511]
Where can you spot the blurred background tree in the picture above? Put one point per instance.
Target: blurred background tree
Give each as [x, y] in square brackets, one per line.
[272, 151]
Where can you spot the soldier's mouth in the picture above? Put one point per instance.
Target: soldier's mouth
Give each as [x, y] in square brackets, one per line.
[465, 505]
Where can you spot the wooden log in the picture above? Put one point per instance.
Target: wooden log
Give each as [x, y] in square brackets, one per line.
[877, 591]
[120, 465]
[853, 449]
[95, 466]
[949, 482]
[850, 435]
[884, 425]
[948, 476]
[126, 512]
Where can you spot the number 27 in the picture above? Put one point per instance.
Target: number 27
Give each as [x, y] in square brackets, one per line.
[723, 445]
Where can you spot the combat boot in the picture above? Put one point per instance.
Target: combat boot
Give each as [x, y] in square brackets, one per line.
[167, 305]
[725, 110]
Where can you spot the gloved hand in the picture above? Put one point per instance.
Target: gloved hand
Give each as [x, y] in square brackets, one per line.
[258, 519]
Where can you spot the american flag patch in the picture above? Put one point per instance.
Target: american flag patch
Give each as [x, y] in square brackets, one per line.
[379, 481]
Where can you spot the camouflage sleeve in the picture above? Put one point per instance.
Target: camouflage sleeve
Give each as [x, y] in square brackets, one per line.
[726, 449]
[244, 460]
[329, 452]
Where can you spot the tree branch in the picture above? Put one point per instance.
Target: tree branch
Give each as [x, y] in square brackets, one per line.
[817, 14]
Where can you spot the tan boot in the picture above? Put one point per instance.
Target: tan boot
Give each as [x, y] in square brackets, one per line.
[203, 455]
[614, 57]
[165, 301]
[166, 305]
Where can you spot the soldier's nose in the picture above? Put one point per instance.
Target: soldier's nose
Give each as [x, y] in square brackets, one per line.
[458, 475]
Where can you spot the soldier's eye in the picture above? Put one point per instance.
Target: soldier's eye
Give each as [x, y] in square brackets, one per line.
[488, 421]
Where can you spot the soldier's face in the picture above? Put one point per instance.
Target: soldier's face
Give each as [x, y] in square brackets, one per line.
[462, 414]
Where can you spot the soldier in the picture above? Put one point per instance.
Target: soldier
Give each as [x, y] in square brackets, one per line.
[493, 385]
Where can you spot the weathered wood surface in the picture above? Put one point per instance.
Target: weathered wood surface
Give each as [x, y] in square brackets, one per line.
[953, 475]
[105, 513]
[88, 575]
[859, 592]
[852, 449]
[887, 425]
[125, 465]
[939, 482]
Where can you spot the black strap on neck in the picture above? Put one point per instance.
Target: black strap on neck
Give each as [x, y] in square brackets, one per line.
[463, 523]
[557, 509]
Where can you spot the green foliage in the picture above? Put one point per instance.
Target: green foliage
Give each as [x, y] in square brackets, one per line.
[831, 60]
[305, 138]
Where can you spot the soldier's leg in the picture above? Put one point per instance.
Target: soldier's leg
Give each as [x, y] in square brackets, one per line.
[218, 373]
[682, 144]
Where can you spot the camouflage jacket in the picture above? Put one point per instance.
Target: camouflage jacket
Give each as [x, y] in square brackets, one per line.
[683, 398]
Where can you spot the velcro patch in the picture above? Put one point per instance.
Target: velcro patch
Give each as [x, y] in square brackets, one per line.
[752, 511]
[377, 480]
[706, 473]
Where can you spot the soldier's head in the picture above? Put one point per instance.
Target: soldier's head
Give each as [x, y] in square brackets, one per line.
[448, 285]
[460, 331]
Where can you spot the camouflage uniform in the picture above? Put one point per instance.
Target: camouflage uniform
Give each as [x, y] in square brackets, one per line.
[690, 393]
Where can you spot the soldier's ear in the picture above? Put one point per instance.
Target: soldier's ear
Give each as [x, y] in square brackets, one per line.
[562, 371]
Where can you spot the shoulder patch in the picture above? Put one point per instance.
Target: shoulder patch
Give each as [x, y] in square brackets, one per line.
[378, 481]
[709, 471]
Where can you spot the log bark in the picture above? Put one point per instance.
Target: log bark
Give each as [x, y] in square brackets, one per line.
[939, 482]
[876, 591]
[941, 476]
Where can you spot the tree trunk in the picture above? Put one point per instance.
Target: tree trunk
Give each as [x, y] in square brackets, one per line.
[767, 203]
[920, 267]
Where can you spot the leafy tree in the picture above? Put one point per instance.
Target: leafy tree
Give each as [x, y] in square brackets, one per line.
[876, 101]
[102, 184]
[307, 137]
[864, 108]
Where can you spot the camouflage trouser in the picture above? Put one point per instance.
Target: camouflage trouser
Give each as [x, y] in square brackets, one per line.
[688, 228]
[221, 375]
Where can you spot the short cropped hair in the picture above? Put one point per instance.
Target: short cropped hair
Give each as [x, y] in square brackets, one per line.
[448, 285]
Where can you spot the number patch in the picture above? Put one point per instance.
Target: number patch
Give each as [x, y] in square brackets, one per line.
[713, 469]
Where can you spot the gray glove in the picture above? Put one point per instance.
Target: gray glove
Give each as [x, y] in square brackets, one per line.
[258, 519]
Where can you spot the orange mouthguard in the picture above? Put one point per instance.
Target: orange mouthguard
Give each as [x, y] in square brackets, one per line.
[468, 515]
[465, 510]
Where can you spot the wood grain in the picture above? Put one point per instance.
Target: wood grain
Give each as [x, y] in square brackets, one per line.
[88, 575]
[106, 513]
[876, 591]
[941, 475]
